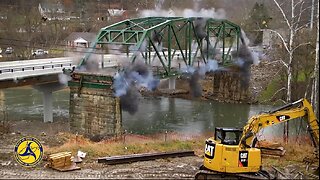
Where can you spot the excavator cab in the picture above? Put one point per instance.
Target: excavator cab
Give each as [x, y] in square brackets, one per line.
[223, 153]
[228, 136]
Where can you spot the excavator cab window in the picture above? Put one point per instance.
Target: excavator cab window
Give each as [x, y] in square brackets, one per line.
[228, 136]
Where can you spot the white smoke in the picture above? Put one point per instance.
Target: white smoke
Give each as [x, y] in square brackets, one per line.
[196, 11]
[209, 13]
[63, 79]
[254, 55]
[158, 4]
[210, 66]
[114, 49]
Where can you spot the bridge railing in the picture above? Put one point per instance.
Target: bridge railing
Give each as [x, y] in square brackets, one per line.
[21, 69]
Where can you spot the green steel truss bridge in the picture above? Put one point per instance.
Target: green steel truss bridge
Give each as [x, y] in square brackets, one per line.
[194, 39]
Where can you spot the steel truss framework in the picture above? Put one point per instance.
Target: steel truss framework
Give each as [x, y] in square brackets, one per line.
[177, 36]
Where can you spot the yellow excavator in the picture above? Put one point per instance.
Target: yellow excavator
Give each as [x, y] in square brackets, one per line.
[232, 152]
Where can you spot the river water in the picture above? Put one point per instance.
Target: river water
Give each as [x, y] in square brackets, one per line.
[155, 115]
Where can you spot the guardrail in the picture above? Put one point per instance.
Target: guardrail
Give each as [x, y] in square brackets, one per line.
[13, 70]
[21, 69]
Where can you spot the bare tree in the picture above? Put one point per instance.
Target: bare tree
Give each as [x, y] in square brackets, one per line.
[294, 24]
[315, 86]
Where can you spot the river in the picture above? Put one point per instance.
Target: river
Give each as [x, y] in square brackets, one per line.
[155, 115]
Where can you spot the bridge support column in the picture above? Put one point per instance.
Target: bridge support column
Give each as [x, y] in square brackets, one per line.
[230, 85]
[47, 106]
[47, 98]
[172, 83]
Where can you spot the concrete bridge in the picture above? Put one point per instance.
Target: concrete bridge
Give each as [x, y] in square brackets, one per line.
[42, 74]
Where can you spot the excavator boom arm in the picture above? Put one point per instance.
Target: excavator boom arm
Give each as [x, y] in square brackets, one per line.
[297, 109]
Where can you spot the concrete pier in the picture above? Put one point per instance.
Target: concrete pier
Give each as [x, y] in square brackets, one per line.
[172, 83]
[47, 90]
[47, 106]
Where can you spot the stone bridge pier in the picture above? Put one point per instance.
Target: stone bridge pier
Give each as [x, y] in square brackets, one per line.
[226, 86]
[94, 110]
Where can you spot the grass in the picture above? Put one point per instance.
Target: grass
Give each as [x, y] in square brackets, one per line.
[296, 151]
[133, 144]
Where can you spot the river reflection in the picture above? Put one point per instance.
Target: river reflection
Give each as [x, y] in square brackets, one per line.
[170, 114]
[154, 115]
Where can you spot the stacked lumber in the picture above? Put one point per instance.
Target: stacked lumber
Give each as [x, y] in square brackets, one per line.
[61, 161]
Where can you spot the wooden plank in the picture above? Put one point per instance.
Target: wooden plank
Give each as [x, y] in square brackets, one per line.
[61, 164]
[274, 152]
[143, 157]
[71, 167]
[58, 157]
[59, 154]
[67, 158]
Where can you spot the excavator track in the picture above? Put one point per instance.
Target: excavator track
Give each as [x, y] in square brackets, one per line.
[207, 174]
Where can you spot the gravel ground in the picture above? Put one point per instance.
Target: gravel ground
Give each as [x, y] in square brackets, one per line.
[171, 168]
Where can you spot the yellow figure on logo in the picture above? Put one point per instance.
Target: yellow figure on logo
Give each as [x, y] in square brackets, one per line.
[28, 151]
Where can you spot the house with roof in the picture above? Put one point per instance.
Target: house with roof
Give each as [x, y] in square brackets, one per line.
[80, 39]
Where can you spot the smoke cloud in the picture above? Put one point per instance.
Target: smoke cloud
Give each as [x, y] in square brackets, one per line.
[127, 83]
[194, 75]
[208, 13]
[129, 101]
[195, 12]
[64, 78]
[243, 59]
[200, 28]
